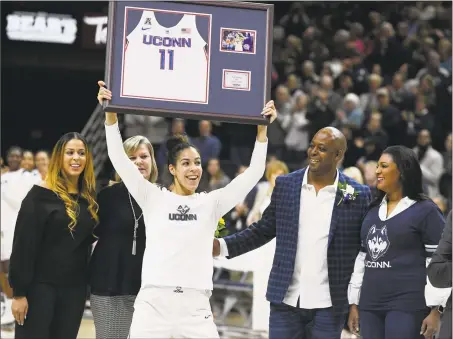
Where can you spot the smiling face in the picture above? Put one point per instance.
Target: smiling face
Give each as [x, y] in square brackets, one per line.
[14, 158]
[323, 153]
[74, 158]
[28, 161]
[187, 171]
[387, 174]
[42, 161]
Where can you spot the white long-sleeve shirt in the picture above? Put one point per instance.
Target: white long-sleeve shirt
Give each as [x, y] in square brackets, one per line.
[14, 187]
[434, 296]
[180, 229]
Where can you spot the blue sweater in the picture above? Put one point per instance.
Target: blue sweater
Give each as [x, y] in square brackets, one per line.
[395, 263]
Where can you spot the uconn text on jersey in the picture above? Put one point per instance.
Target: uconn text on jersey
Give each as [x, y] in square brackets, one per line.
[166, 41]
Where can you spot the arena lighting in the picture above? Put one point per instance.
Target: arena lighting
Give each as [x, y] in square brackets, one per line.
[41, 27]
[100, 22]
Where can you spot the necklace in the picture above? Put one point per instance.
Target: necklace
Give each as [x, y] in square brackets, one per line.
[134, 241]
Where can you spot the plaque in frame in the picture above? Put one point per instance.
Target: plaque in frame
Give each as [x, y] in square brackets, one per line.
[192, 60]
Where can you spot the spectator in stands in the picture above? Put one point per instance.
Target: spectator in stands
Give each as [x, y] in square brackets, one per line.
[431, 163]
[28, 161]
[334, 99]
[399, 95]
[151, 127]
[217, 177]
[433, 68]
[369, 173]
[277, 134]
[441, 203]
[42, 159]
[354, 173]
[264, 190]
[52, 240]
[309, 76]
[116, 263]
[296, 126]
[418, 119]
[351, 114]
[319, 114]
[374, 131]
[391, 117]
[346, 84]
[177, 128]
[293, 84]
[444, 50]
[208, 145]
[400, 230]
[237, 218]
[368, 101]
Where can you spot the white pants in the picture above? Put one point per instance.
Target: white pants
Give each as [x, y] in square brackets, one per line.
[166, 312]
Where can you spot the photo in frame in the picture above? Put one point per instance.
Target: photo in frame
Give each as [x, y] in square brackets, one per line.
[166, 59]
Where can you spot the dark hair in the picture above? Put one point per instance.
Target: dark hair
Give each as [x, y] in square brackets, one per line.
[14, 149]
[175, 145]
[411, 174]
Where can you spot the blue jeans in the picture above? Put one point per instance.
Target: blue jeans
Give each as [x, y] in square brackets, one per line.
[287, 322]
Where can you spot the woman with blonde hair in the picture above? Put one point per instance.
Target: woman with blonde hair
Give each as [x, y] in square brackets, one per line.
[354, 173]
[116, 263]
[274, 169]
[52, 240]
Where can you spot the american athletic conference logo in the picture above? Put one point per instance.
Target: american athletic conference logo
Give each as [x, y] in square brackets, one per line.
[183, 214]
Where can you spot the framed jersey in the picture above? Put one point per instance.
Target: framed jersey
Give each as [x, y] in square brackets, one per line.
[193, 60]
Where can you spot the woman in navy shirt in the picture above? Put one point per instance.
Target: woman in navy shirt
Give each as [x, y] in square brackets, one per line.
[399, 233]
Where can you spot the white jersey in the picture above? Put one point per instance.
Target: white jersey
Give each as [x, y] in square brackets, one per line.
[180, 229]
[14, 187]
[168, 64]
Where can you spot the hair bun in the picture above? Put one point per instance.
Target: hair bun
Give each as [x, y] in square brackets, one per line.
[176, 140]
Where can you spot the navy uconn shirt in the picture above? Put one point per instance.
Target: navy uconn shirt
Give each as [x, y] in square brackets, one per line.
[396, 251]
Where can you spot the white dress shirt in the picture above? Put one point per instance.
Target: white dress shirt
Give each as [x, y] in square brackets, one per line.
[310, 279]
[434, 296]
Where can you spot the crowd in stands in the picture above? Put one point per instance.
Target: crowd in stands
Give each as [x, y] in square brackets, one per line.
[380, 72]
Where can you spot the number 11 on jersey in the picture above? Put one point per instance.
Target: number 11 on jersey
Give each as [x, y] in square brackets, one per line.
[163, 58]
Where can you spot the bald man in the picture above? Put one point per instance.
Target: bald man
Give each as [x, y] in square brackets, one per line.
[315, 214]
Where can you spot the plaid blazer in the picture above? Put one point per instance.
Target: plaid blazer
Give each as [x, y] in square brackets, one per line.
[281, 220]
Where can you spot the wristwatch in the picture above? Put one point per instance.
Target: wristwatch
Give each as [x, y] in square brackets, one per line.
[439, 308]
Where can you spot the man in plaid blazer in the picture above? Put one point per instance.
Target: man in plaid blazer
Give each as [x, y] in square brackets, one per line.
[315, 214]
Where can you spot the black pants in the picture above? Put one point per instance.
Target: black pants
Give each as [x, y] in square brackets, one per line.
[54, 312]
[391, 324]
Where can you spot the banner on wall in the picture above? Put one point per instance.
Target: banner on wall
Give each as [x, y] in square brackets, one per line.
[94, 31]
[41, 27]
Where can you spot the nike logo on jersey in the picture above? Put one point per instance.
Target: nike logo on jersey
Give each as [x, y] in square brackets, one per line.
[145, 28]
[166, 41]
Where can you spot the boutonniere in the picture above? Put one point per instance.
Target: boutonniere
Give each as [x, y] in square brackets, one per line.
[348, 193]
[221, 230]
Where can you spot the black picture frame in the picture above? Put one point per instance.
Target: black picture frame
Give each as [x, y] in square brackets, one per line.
[191, 111]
